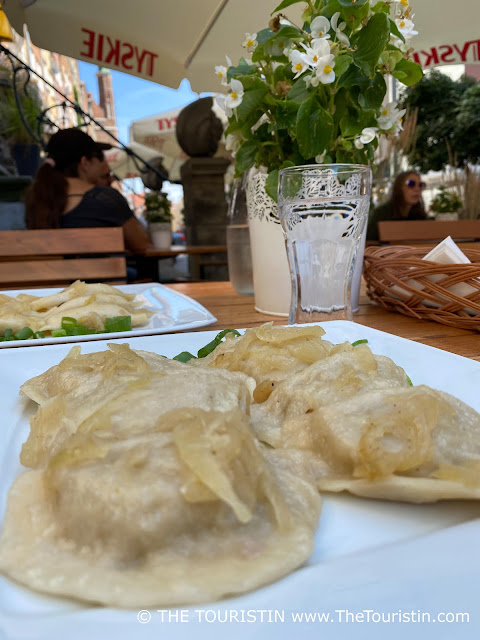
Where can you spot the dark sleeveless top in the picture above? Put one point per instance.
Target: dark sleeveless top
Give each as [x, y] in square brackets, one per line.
[99, 207]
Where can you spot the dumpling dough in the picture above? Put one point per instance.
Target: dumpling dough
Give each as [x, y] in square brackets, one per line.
[187, 512]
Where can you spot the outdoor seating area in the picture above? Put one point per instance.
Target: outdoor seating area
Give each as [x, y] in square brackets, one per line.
[239, 319]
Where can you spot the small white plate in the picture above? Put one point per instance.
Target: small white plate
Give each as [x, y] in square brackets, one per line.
[411, 562]
[172, 311]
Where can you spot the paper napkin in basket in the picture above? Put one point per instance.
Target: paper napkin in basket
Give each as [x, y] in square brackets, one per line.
[447, 252]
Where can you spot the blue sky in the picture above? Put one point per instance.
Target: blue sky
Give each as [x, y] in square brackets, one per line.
[136, 98]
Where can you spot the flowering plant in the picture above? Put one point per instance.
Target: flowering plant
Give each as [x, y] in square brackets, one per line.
[446, 201]
[157, 208]
[315, 93]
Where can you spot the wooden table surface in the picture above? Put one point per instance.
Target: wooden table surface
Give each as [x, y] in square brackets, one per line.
[236, 311]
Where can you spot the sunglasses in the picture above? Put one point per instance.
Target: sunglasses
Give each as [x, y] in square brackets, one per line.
[411, 184]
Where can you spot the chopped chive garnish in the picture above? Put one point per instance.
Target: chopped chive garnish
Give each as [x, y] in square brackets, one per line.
[24, 334]
[208, 348]
[357, 342]
[409, 381]
[118, 323]
[185, 356]
[70, 327]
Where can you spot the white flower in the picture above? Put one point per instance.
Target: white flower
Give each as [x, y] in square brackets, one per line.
[396, 42]
[235, 96]
[390, 116]
[338, 28]
[262, 120]
[220, 100]
[368, 135]
[325, 73]
[320, 27]
[250, 42]
[319, 49]
[233, 142]
[221, 72]
[299, 63]
[321, 157]
[406, 27]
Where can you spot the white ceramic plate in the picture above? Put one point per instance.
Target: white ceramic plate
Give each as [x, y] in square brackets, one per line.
[371, 558]
[172, 311]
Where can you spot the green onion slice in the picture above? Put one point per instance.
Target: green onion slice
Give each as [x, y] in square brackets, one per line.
[357, 342]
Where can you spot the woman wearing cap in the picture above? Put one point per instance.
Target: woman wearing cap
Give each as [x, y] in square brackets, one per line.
[405, 203]
[66, 193]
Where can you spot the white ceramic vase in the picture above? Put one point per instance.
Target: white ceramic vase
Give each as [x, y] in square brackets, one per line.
[160, 234]
[271, 274]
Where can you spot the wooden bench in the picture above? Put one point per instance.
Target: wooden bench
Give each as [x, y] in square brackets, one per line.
[424, 231]
[51, 257]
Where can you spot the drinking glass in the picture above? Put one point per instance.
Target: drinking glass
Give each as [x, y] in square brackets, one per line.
[323, 210]
[238, 240]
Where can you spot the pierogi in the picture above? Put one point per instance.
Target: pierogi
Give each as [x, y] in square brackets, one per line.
[89, 304]
[150, 488]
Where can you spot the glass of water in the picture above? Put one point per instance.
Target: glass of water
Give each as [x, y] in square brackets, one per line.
[323, 210]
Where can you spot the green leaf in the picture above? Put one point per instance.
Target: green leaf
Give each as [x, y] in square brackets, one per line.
[411, 71]
[299, 92]
[286, 113]
[352, 3]
[285, 4]
[381, 6]
[370, 42]
[271, 185]
[314, 128]
[342, 64]
[375, 93]
[250, 102]
[245, 158]
[242, 69]
[394, 30]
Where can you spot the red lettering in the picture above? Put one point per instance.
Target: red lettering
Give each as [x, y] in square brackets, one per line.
[431, 57]
[416, 57]
[100, 46]
[127, 55]
[89, 44]
[140, 59]
[463, 52]
[151, 57]
[444, 57]
[119, 54]
[114, 53]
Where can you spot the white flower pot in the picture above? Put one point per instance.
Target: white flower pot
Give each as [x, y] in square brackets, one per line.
[271, 274]
[160, 234]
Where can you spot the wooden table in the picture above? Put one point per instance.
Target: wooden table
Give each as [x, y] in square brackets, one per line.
[236, 311]
[147, 261]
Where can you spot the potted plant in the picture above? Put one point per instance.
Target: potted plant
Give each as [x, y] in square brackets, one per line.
[159, 219]
[313, 92]
[446, 204]
[25, 149]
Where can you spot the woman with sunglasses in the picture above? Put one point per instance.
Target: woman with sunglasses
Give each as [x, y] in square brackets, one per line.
[405, 203]
[67, 191]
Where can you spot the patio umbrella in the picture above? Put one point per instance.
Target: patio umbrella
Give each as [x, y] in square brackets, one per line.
[172, 39]
[124, 166]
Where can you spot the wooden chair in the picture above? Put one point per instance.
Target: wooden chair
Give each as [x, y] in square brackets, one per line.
[51, 257]
[425, 231]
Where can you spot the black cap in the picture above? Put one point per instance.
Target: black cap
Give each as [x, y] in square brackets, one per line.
[68, 146]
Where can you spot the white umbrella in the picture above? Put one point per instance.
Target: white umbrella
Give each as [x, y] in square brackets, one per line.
[124, 165]
[158, 133]
[168, 40]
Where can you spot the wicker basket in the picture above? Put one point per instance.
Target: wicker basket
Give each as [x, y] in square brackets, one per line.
[398, 279]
